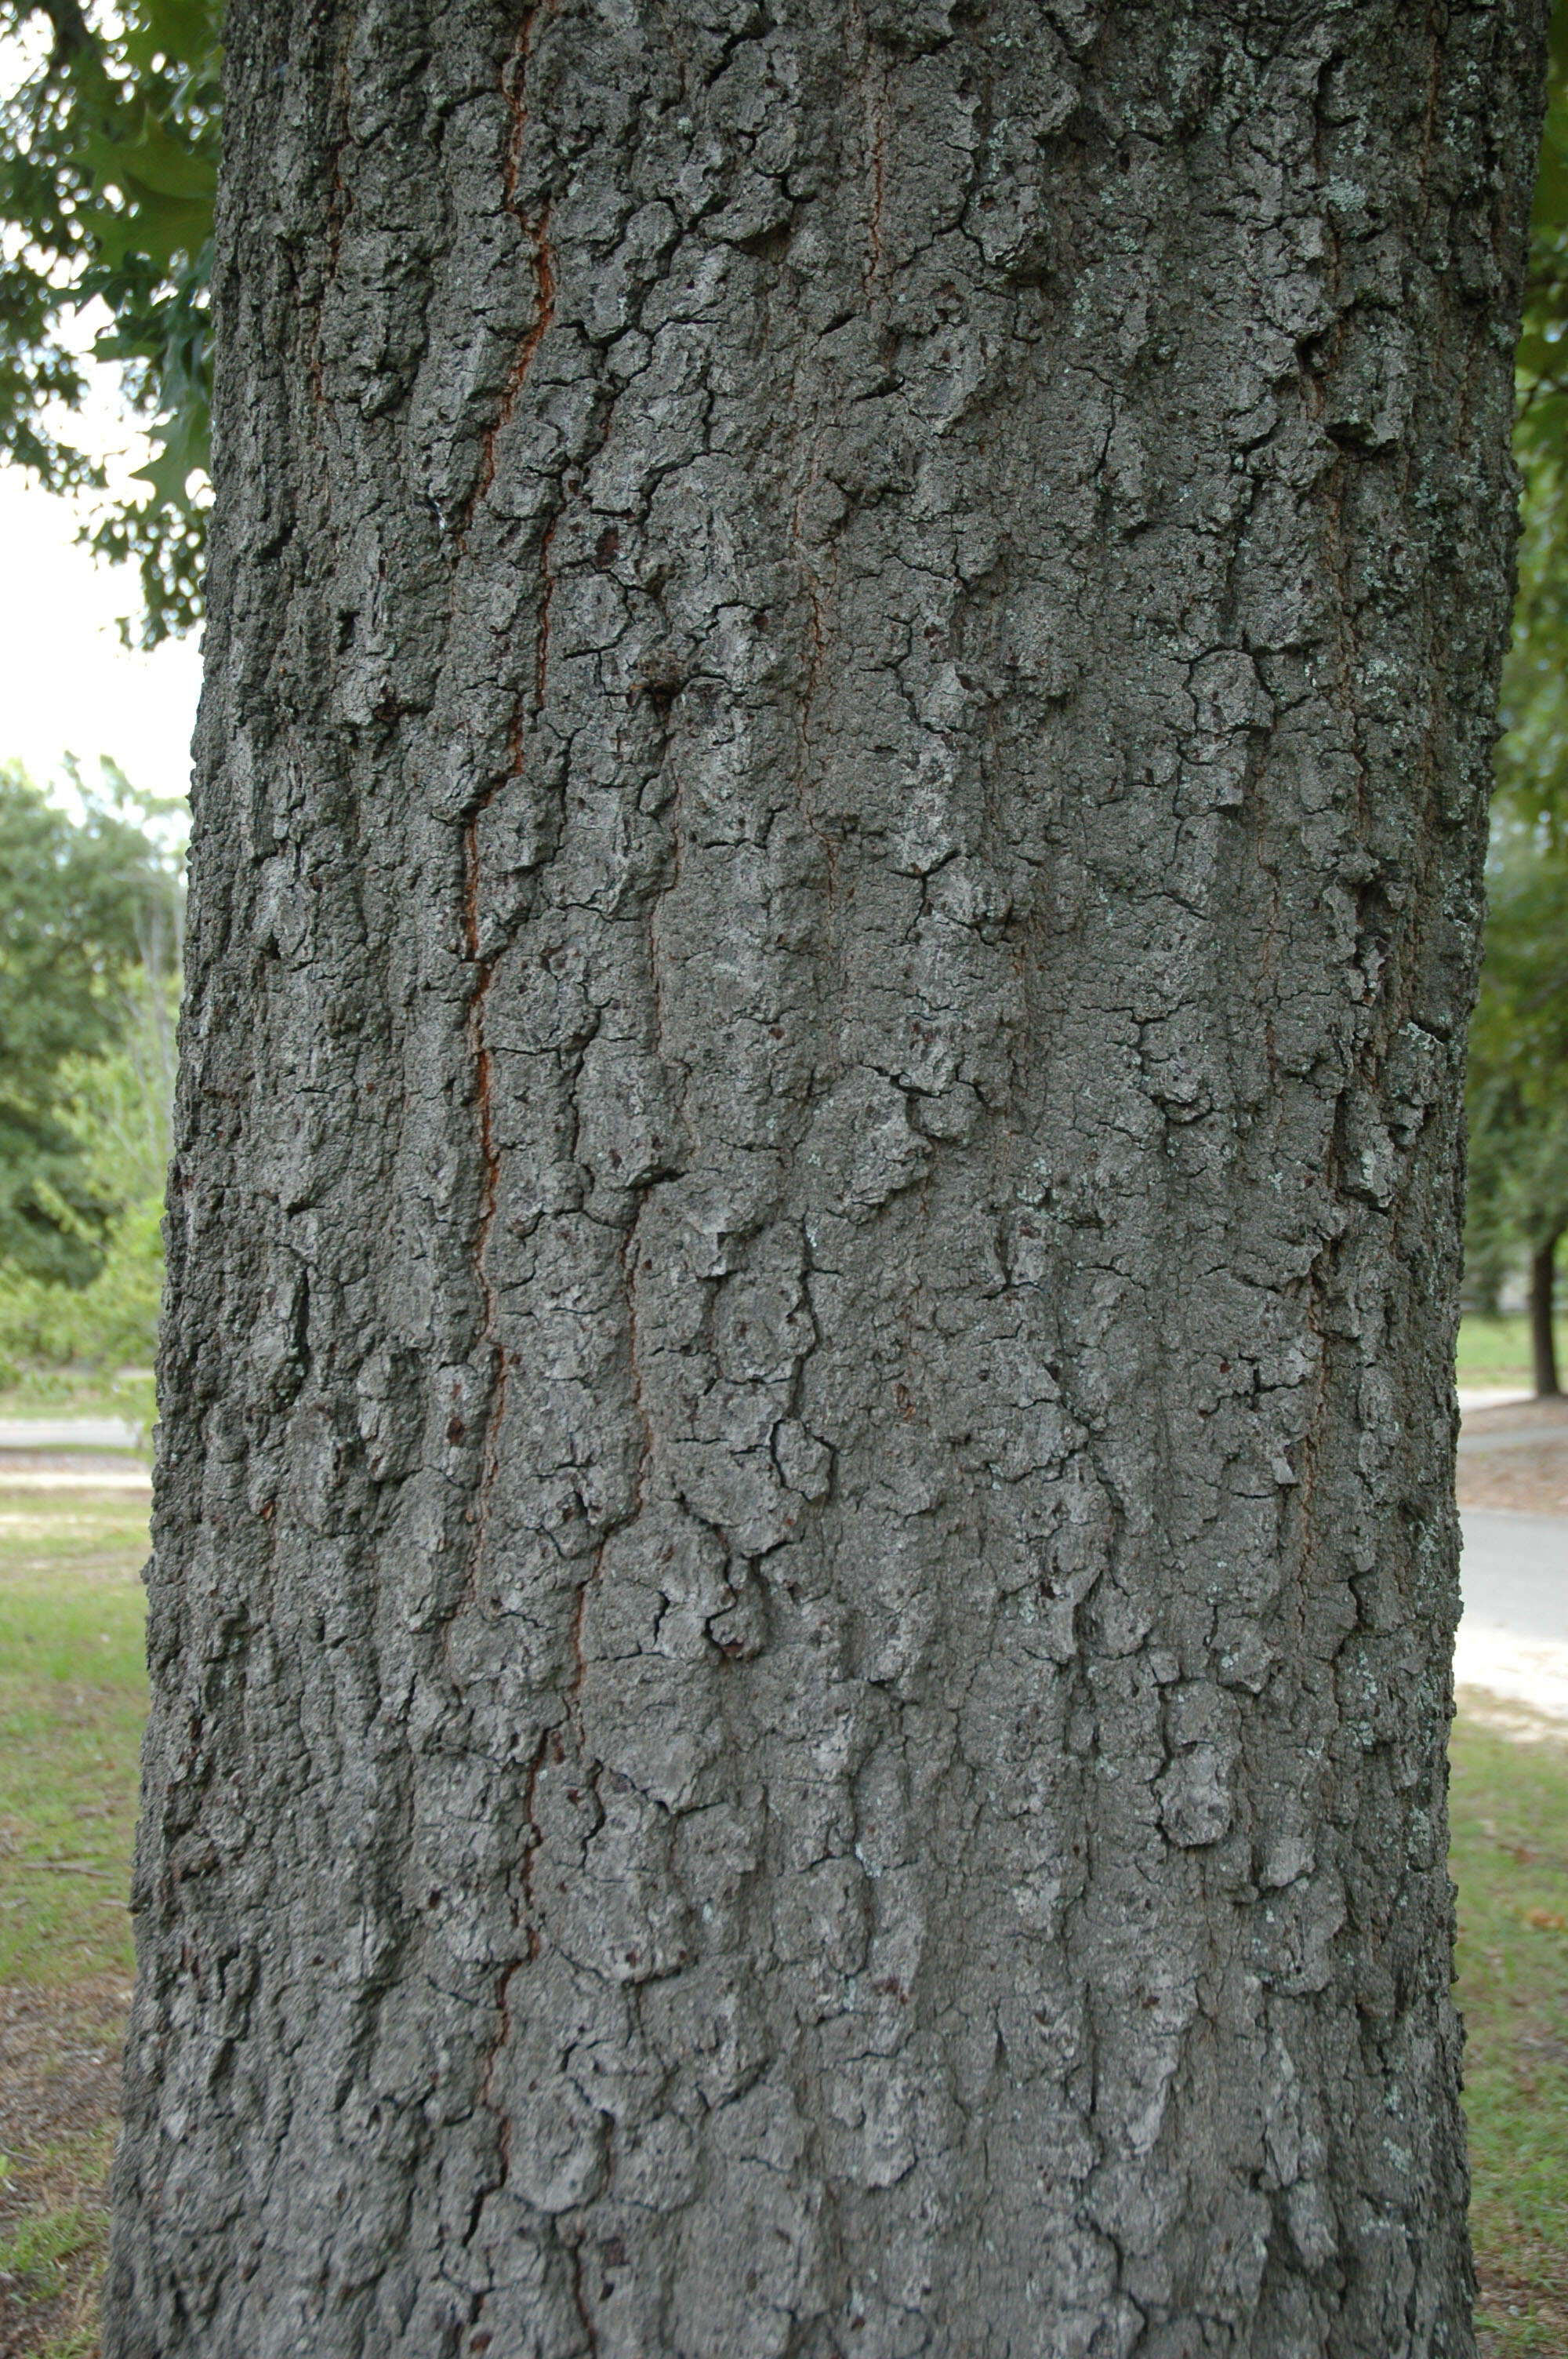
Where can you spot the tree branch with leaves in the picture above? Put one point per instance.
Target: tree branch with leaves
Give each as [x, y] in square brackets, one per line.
[108, 168]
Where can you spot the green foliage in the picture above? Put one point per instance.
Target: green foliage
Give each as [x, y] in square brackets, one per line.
[88, 943]
[1533, 764]
[1541, 359]
[1517, 1097]
[108, 171]
[108, 1324]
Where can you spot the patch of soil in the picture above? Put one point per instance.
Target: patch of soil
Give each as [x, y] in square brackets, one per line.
[1533, 1481]
[1529, 1475]
[59, 2092]
[1506, 2305]
[1510, 1417]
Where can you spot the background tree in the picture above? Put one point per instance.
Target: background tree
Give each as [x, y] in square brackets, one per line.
[108, 163]
[1519, 1080]
[90, 905]
[804, 1555]
[1518, 1094]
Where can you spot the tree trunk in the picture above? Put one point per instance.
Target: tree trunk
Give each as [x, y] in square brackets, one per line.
[1543, 1310]
[805, 1554]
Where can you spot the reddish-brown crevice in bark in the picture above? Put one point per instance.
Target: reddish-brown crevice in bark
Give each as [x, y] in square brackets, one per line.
[513, 78]
[537, 232]
[584, 2313]
[544, 313]
[484, 971]
[503, 2033]
[504, 2131]
[536, 1837]
[523, 1916]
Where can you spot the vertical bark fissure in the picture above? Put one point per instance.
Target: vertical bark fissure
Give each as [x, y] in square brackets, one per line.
[536, 232]
[491, 1166]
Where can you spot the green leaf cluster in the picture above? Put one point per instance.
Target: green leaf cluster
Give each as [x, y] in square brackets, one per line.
[92, 908]
[108, 171]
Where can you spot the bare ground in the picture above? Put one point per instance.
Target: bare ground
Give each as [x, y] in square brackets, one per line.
[1516, 1457]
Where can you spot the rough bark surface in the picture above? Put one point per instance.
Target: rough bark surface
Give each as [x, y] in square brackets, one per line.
[804, 1555]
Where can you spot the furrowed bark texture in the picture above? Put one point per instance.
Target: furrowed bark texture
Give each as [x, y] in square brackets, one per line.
[805, 1556]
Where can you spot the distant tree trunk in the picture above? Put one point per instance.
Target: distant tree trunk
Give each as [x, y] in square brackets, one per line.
[804, 1553]
[1543, 1310]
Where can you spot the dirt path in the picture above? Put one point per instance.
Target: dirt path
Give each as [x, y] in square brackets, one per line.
[1516, 1457]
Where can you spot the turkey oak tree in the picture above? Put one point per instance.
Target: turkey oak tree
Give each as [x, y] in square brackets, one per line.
[805, 1550]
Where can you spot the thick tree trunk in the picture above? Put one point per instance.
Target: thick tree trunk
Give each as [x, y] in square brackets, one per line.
[1542, 1314]
[805, 1547]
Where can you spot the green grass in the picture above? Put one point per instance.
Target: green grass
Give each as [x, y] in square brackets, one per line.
[40, 2248]
[1494, 1354]
[1510, 1858]
[72, 1701]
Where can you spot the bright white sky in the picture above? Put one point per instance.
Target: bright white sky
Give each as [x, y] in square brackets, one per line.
[67, 685]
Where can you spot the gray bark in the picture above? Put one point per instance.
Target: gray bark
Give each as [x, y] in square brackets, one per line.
[804, 1553]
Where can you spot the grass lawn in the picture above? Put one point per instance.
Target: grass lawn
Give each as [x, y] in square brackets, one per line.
[1494, 1354]
[126, 1393]
[72, 1698]
[1510, 1858]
